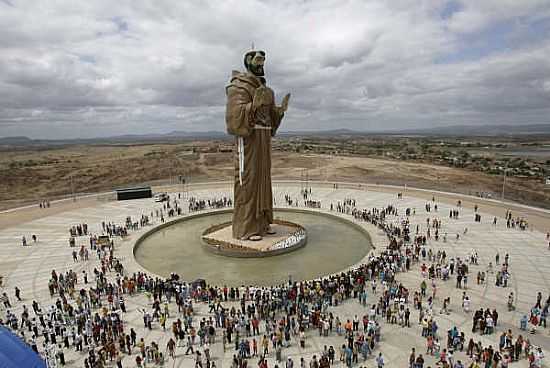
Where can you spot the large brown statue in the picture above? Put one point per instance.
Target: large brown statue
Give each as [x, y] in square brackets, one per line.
[253, 118]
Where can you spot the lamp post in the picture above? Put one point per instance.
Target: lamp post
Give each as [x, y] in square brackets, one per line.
[504, 180]
[72, 188]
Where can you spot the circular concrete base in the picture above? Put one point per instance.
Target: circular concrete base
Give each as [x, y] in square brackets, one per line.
[288, 237]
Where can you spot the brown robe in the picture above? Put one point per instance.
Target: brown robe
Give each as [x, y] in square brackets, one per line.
[253, 201]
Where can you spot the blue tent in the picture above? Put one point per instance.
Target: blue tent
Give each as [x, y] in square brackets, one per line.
[14, 353]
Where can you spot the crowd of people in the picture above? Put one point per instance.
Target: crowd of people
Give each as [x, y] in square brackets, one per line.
[24, 240]
[88, 314]
[196, 204]
[79, 230]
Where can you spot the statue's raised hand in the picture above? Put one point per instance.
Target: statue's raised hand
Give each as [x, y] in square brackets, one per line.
[284, 104]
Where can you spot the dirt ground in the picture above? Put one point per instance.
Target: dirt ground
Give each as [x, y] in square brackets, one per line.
[26, 177]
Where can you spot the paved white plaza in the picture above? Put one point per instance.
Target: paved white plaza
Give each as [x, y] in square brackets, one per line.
[29, 268]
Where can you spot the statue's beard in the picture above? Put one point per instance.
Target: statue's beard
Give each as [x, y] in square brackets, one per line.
[257, 70]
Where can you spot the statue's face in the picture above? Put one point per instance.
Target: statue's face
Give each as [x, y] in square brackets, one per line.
[256, 65]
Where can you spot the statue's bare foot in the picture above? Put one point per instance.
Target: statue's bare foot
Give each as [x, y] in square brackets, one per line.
[270, 231]
[255, 238]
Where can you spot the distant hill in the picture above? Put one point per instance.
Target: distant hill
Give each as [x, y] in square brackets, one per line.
[15, 141]
[482, 130]
[127, 138]
[455, 130]
[334, 132]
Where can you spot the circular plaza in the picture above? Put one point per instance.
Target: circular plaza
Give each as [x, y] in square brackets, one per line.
[373, 253]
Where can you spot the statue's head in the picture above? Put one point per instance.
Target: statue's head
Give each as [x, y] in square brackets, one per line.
[254, 62]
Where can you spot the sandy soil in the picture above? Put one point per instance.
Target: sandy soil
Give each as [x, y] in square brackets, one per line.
[27, 177]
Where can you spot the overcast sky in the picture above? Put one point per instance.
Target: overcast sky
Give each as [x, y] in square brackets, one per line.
[102, 67]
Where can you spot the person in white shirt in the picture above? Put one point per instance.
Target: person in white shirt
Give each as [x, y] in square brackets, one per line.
[489, 325]
[466, 304]
[380, 361]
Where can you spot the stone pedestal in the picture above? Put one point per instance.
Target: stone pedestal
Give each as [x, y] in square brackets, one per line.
[288, 237]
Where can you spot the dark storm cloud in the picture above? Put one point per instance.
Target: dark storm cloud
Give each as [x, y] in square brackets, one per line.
[81, 69]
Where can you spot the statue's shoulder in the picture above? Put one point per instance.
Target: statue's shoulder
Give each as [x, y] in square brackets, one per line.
[242, 81]
[239, 78]
[236, 73]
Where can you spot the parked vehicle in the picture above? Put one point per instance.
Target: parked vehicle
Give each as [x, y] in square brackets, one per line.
[161, 197]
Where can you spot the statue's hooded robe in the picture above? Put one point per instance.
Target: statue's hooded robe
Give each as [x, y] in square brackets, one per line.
[253, 201]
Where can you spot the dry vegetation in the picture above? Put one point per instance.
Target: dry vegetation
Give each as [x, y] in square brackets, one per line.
[27, 176]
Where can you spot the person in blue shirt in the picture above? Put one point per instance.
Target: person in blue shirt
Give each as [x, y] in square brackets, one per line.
[349, 355]
[365, 349]
[523, 322]
[458, 364]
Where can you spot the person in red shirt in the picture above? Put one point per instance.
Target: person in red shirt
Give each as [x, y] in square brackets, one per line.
[443, 357]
